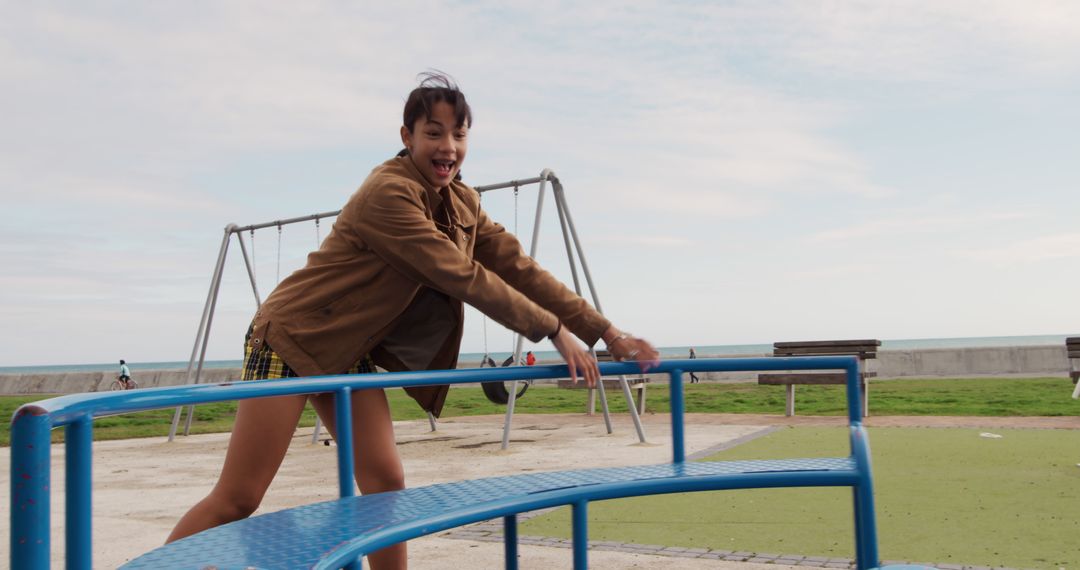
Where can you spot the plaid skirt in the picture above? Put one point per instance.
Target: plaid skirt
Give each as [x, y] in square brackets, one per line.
[264, 364]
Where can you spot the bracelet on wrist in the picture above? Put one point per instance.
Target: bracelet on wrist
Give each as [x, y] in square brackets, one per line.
[620, 336]
[558, 329]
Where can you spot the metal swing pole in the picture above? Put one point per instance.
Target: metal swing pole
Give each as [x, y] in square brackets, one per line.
[519, 340]
[591, 405]
[545, 176]
[258, 303]
[202, 337]
[560, 201]
[203, 333]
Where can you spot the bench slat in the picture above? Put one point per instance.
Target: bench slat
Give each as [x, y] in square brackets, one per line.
[1074, 353]
[301, 537]
[867, 353]
[818, 343]
[804, 378]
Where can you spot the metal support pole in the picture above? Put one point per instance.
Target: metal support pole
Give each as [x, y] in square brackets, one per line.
[30, 459]
[510, 541]
[560, 201]
[678, 438]
[78, 439]
[250, 269]
[231, 228]
[581, 535]
[343, 420]
[204, 326]
[518, 339]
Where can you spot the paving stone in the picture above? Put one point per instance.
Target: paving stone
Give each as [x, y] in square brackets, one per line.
[787, 561]
[837, 565]
[681, 554]
[605, 543]
[713, 555]
[743, 553]
[760, 559]
[735, 558]
[768, 555]
[721, 552]
[816, 559]
[674, 549]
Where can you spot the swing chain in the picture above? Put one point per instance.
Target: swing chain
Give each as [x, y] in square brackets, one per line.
[254, 260]
[279, 252]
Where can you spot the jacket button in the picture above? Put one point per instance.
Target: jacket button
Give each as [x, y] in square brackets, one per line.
[257, 341]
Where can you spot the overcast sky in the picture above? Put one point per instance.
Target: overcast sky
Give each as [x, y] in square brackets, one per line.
[739, 172]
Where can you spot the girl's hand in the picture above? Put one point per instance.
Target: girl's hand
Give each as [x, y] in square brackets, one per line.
[625, 346]
[577, 357]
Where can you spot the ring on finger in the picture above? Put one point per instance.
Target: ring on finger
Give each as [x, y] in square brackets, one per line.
[632, 354]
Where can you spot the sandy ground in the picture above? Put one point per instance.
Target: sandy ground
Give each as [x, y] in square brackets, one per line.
[141, 487]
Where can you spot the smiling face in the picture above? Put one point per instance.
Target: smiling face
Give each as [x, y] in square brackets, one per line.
[437, 145]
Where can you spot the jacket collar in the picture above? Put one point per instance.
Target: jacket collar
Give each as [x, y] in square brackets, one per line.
[464, 216]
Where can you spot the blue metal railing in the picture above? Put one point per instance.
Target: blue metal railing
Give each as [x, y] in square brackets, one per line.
[32, 423]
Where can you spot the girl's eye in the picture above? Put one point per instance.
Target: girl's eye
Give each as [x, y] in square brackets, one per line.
[432, 133]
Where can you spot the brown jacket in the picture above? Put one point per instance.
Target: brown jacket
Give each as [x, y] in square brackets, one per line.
[385, 246]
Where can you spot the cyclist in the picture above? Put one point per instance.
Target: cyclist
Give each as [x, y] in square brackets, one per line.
[125, 375]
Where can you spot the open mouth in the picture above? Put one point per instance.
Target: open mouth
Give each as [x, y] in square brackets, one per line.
[443, 167]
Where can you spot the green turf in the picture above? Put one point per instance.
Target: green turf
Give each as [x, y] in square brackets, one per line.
[958, 397]
[943, 495]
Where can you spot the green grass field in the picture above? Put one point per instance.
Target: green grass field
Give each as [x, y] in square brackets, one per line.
[951, 397]
[943, 495]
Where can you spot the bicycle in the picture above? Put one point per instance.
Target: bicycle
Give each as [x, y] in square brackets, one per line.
[119, 384]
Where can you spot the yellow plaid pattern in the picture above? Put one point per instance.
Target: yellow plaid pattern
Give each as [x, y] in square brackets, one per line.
[264, 364]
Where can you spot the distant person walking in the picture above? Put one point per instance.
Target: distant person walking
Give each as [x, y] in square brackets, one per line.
[693, 377]
[125, 374]
[530, 358]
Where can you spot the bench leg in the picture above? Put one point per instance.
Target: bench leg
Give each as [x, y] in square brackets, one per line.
[865, 398]
[590, 405]
[789, 408]
[510, 541]
[641, 400]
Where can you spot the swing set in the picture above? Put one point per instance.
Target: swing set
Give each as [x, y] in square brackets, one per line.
[497, 392]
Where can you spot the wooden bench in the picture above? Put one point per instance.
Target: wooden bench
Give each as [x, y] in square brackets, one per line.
[1072, 349]
[637, 383]
[862, 349]
[335, 534]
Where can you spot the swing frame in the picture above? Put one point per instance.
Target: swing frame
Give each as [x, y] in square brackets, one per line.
[570, 240]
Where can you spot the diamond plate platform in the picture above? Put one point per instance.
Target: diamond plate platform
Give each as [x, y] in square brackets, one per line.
[332, 533]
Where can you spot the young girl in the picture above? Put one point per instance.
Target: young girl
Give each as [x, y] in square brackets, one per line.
[386, 288]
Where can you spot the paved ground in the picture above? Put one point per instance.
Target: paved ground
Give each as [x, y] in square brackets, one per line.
[142, 486]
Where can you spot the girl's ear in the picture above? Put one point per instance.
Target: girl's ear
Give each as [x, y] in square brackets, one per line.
[406, 138]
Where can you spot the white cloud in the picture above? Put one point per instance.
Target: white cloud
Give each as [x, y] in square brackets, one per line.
[1033, 250]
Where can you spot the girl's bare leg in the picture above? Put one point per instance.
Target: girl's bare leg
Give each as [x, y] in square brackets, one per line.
[260, 437]
[375, 455]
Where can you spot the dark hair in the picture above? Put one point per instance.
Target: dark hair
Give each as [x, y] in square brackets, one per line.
[121, 361]
[435, 87]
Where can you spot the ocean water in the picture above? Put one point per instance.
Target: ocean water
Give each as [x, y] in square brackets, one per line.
[665, 352]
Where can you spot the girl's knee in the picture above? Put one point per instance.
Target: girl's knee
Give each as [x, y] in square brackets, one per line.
[387, 478]
[235, 505]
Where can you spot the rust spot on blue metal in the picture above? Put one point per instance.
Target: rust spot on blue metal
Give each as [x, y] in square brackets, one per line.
[29, 410]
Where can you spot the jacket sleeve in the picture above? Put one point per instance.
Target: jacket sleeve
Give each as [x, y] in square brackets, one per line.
[498, 250]
[391, 220]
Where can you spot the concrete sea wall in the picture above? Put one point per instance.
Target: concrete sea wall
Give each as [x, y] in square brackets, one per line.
[922, 363]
